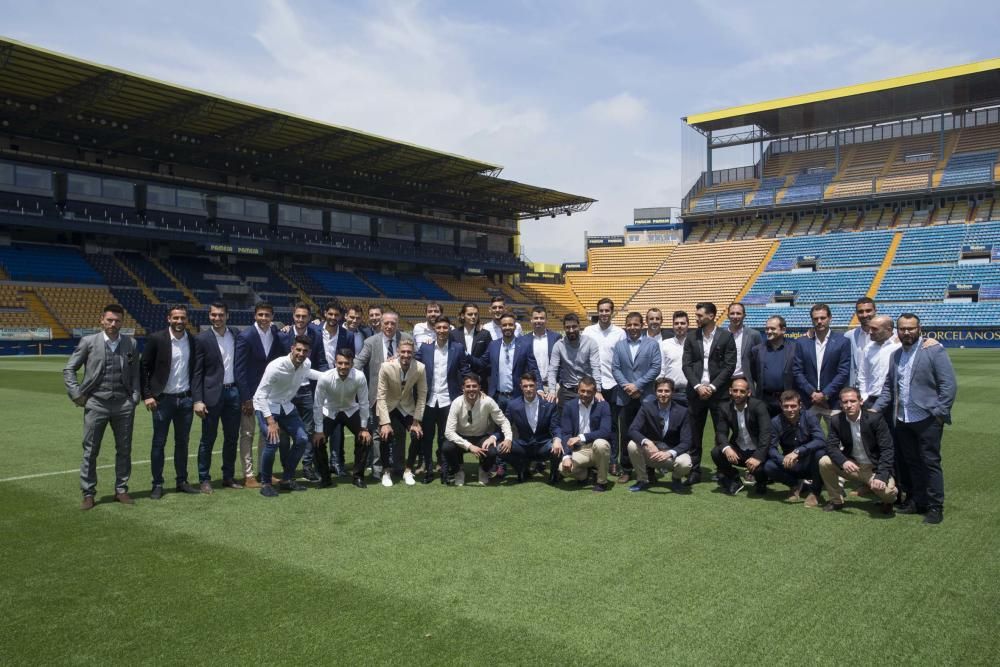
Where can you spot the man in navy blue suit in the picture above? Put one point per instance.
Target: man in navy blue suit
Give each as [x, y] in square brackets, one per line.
[586, 432]
[256, 347]
[660, 437]
[445, 363]
[635, 365]
[536, 430]
[542, 341]
[333, 336]
[508, 358]
[303, 401]
[797, 443]
[216, 396]
[822, 364]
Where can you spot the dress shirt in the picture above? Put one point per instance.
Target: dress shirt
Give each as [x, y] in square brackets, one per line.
[266, 338]
[743, 437]
[606, 340]
[860, 455]
[227, 348]
[571, 361]
[469, 337]
[738, 337]
[334, 395]
[479, 419]
[438, 395]
[633, 347]
[672, 366]
[359, 341]
[820, 352]
[496, 333]
[665, 416]
[295, 332]
[179, 379]
[386, 344]
[540, 346]
[773, 371]
[113, 344]
[584, 421]
[424, 333]
[505, 373]
[706, 347]
[403, 372]
[330, 345]
[874, 367]
[531, 412]
[908, 410]
[279, 385]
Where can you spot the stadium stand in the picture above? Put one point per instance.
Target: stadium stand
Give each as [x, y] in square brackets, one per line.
[35, 263]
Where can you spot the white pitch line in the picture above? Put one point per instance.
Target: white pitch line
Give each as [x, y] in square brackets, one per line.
[74, 470]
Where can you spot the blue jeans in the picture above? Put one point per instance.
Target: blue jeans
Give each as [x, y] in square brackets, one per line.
[291, 425]
[179, 411]
[807, 467]
[228, 410]
[303, 403]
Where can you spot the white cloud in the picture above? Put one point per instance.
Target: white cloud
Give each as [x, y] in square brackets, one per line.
[622, 109]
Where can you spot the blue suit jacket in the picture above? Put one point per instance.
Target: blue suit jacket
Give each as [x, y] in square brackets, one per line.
[932, 382]
[834, 375]
[318, 354]
[251, 362]
[524, 362]
[458, 366]
[552, 337]
[649, 424]
[548, 421]
[600, 420]
[806, 437]
[642, 372]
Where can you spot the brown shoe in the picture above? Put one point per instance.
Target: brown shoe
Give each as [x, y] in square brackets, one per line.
[124, 498]
[275, 481]
[887, 509]
[624, 477]
[793, 497]
[231, 484]
[251, 483]
[812, 500]
[88, 503]
[206, 488]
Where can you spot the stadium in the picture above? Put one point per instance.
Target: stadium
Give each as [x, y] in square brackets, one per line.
[118, 188]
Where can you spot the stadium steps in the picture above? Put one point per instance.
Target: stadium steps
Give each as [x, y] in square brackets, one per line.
[889, 161]
[890, 255]
[188, 294]
[301, 292]
[760, 269]
[3, 274]
[143, 287]
[949, 148]
[41, 310]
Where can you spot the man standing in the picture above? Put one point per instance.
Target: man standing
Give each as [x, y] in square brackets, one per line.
[771, 364]
[654, 326]
[446, 364]
[709, 362]
[473, 339]
[875, 359]
[256, 347]
[374, 322]
[167, 367]
[342, 400]
[660, 437]
[635, 367]
[822, 364]
[743, 436]
[858, 448]
[399, 404]
[334, 336]
[672, 356]
[507, 359]
[274, 409]
[303, 400]
[920, 388]
[497, 309]
[216, 396]
[573, 357]
[535, 426]
[472, 427]
[108, 394]
[586, 429]
[423, 332]
[745, 338]
[542, 342]
[796, 443]
[352, 325]
[607, 335]
[860, 336]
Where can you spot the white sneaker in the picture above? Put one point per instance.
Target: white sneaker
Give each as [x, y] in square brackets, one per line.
[408, 478]
[460, 478]
[386, 479]
[484, 477]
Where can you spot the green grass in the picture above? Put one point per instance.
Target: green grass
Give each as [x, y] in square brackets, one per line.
[522, 574]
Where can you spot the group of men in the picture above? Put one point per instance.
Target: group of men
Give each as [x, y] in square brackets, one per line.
[595, 403]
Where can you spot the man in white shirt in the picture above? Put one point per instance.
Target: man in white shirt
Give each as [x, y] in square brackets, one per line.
[423, 332]
[607, 335]
[472, 427]
[865, 310]
[542, 342]
[654, 326]
[672, 357]
[875, 359]
[341, 400]
[745, 338]
[272, 403]
[497, 308]
[446, 363]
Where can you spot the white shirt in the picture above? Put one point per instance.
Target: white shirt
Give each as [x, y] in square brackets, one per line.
[860, 455]
[531, 412]
[385, 347]
[179, 379]
[279, 385]
[266, 338]
[438, 395]
[469, 337]
[227, 348]
[820, 351]
[305, 332]
[540, 346]
[494, 329]
[859, 341]
[424, 333]
[112, 343]
[874, 367]
[584, 423]
[706, 347]
[334, 395]
[606, 340]
[738, 337]
[672, 354]
[330, 345]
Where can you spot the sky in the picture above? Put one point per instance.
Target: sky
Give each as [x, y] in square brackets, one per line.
[583, 96]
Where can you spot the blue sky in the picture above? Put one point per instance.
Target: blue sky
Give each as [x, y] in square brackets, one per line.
[581, 96]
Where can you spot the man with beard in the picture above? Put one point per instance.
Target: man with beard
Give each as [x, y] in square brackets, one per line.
[472, 427]
[635, 367]
[573, 357]
[607, 335]
[423, 332]
[341, 400]
[771, 364]
[745, 338]
[796, 443]
[672, 356]
[743, 437]
[659, 438]
[497, 308]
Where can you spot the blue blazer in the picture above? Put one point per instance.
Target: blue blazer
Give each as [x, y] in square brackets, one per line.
[932, 382]
[552, 337]
[318, 354]
[807, 437]
[600, 420]
[649, 424]
[641, 372]
[251, 362]
[524, 362]
[458, 366]
[834, 375]
[548, 422]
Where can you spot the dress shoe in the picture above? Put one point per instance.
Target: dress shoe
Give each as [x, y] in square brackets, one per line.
[231, 484]
[156, 493]
[540, 467]
[638, 486]
[408, 478]
[911, 508]
[613, 470]
[326, 483]
[184, 487]
[310, 474]
[677, 486]
[794, 497]
[206, 488]
[812, 500]
[427, 478]
[624, 477]
[292, 485]
[760, 488]
[340, 471]
[833, 507]
[693, 478]
[251, 482]
[268, 491]
[360, 483]
[275, 480]
[88, 503]
[887, 508]
[124, 498]
[733, 486]
[934, 516]
[600, 488]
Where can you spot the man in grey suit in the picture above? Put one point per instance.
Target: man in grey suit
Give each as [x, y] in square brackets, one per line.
[635, 367]
[378, 349]
[746, 339]
[921, 389]
[108, 393]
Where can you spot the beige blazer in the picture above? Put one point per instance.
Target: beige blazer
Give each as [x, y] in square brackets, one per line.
[392, 393]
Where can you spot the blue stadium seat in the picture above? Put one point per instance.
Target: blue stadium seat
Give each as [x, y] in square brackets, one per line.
[51, 264]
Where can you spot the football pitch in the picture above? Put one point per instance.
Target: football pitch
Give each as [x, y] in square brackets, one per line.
[521, 574]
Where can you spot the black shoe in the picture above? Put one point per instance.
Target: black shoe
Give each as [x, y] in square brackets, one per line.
[934, 516]
[677, 486]
[427, 478]
[184, 487]
[268, 491]
[833, 507]
[156, 493]
[693, 478]
[540, 467]
[760, 488]
[600, 488]
[292, 485]
[326, 483]
[360, 483]
[310, 474]
[733, 486]
[911, 508]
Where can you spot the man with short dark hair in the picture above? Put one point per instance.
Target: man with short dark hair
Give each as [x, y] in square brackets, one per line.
[672, 356]
[743, 436]
[542, 340]
[108, 394]
[822, 364]
[352, 324]
[333, 337]
[796, 443]
[399, 404]
[745, 338]
[167, 367]
[472, 427]
[654, 326]
[586, 432]
[660, 437]
[374, 321]
[341, 400]
[859, 337]
[607, 334]
[319, 360]
[573, 357]
[423, 332]
[446, 363]
[497, 308]
[771, 364]
[635, 367]
[507, 359]
[535, 426]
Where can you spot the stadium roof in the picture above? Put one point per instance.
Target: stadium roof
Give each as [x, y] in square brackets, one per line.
[950, 89]
[54, 97]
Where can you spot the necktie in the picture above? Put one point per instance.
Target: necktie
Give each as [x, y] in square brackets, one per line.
[388, 347]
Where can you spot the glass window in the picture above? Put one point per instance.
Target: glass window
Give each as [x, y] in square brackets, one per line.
[229, 206]
[312, 218]
[191, 199]
[158, 196]
[360, 224]
[256, 210]
[88, 186]
[468, 239]
[120, 190]
[30, 177]
[438, 234]
[395, 229]
[6, 173]
[289, 215]
[340, 222]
